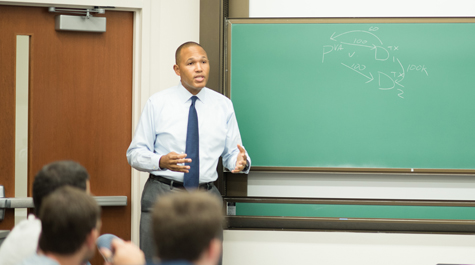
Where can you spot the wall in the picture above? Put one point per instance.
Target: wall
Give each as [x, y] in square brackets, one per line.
[339, 248]
[364, 8]
[336, 248]
[163, 24]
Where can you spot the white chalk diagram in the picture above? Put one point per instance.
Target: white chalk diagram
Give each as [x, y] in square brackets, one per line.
[346, 43]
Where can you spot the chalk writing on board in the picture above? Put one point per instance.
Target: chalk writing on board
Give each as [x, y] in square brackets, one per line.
[364, 53]
[354, 69]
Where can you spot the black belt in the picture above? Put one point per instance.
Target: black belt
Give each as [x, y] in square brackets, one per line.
[178, 184]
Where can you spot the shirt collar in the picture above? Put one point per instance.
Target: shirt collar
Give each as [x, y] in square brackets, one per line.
[175, 262]
[185, 95]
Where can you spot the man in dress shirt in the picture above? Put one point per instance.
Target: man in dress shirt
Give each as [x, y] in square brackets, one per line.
[159, 143]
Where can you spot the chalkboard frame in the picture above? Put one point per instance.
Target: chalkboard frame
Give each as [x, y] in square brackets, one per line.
[227, 81]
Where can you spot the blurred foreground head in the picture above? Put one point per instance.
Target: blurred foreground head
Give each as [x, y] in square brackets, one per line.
[187, 226]
[70, 222]
[55, 175]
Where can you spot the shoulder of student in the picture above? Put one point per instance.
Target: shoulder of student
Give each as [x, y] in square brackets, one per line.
[21, 242]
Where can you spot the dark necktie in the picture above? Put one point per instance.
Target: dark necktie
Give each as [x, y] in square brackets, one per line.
[192, 178]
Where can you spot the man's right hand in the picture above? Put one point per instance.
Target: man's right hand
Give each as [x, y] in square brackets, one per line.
[172, 160]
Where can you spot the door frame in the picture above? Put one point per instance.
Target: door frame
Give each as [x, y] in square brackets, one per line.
[141, 73]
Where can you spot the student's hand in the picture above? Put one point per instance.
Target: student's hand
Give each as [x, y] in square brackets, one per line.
[107, 254]
[241, 161]
[125, 253]
[171, 160]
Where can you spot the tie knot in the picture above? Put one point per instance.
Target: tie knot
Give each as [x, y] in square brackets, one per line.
[193, 99]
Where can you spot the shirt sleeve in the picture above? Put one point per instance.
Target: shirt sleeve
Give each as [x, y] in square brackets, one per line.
[21, 242]
[231, 151]
[141, 153]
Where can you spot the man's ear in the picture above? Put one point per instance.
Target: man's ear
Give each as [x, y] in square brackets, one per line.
[91, 238]
[212, 254]
[214, 250]
[176, 68]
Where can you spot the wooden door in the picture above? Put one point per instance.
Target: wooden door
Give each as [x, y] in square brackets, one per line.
[80, 104]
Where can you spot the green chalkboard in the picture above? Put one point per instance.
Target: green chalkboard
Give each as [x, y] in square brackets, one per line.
[354, 95]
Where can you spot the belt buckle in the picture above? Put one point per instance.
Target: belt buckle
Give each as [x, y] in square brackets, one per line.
[206, 186]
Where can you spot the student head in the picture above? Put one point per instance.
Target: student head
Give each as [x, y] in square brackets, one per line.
[70, 222]
[192, 65]
[55, 175]
[186, 226]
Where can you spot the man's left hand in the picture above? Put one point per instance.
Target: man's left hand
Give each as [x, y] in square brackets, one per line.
[241, 161]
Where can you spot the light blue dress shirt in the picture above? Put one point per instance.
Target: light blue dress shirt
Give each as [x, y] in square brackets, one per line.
[38, 260]
[162, 129]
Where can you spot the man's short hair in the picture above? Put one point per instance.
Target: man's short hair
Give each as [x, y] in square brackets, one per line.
[181, 47]
[55, 175]
[67, 216]
[185, 223]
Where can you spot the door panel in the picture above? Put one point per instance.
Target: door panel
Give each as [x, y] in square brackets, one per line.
[7, 118]
[80, 104]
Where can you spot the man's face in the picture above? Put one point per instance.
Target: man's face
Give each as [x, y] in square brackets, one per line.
[193, 68]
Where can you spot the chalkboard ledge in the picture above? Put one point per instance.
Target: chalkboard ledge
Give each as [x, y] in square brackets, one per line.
[351, 224]
[365, 170]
